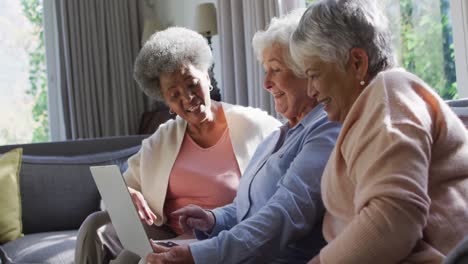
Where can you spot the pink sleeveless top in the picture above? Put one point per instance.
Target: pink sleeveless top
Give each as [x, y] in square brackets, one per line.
[207, 177]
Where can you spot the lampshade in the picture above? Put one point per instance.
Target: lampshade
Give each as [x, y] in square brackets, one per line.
[150, 26]
[205, 19]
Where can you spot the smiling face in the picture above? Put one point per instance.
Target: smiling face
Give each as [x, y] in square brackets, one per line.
[186, 92]
[288, 90]
[331, 86]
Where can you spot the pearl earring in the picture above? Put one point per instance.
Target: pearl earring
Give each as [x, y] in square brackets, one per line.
[362, 83]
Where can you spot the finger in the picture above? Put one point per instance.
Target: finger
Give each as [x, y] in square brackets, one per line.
[154, 258]
[158, 248]
[147, 213]
[196, 223]
[191, 210]
[183, 224]
[153, 216]
[141, 214]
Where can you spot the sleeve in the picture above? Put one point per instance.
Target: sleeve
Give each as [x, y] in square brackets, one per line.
[390, 168]
[289, 214]
[225, 218]
[132, 174]
[267, 124]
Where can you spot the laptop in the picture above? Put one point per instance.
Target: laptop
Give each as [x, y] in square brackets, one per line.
[121, 209]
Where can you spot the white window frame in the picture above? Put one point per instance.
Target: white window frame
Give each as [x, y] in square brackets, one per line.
[56, 125]
[459, 12]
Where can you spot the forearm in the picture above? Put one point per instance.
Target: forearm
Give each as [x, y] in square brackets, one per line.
[225, 218]
[385, 231]
[264, 235]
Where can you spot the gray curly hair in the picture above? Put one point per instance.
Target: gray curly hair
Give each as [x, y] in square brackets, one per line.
[167, 51]
[329, 29]
[279, 31]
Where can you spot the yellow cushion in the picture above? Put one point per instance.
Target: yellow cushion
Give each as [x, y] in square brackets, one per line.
[10, 200]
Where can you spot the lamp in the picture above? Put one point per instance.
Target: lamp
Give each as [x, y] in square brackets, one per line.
[151, 23]
[205, 21]
[205, 24]
[150, 26]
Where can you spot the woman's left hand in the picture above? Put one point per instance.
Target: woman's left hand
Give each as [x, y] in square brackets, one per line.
[172, 255]
[315, 260]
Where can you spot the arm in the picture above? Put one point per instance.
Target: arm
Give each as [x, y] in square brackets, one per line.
[204, 222]
[132, 174]
[225, 219]
[288, 215]
[391, 202]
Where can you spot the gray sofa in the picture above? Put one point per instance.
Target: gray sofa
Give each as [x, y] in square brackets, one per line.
[58, 193]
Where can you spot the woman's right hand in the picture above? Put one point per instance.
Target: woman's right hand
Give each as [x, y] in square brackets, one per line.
[194, 217]
[144, 211]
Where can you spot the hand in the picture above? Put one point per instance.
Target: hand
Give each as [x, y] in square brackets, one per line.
[315, 260]
[144, 211]
[173, 255]
[194, 217]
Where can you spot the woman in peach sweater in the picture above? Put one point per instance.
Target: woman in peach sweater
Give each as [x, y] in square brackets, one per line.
[396, 185]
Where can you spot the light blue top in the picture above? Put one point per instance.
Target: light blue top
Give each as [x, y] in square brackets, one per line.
[277, 213]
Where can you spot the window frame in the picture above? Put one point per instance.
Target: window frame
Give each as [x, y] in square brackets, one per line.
[56, 126]
[459, 13]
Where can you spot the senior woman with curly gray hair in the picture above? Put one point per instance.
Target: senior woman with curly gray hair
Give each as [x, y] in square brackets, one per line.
[195, 159]
[396, 185]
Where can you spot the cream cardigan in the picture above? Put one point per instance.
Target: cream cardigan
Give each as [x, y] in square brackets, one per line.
[396, 185]
[149, 169]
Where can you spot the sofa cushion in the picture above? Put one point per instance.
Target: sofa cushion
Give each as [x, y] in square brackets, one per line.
[58, 193]
[51, 247]
[460, 107]
[462, 113]
[10, 204]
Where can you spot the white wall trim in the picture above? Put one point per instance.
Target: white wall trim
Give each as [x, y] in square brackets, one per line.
[56, 124]
[459, 12]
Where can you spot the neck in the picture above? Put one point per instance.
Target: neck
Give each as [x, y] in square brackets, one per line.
[301, 114]
[210, 123]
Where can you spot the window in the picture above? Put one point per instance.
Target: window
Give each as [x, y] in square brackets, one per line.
[423, 39]
[23, 97]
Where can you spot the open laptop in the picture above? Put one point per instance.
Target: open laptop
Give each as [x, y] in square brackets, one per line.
[124, 215]
[121, 209]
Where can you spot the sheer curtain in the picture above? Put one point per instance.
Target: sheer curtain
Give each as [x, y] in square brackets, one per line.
[241, 73]
[94, 45]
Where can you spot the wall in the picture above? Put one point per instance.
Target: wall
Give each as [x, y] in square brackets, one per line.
[182, 13]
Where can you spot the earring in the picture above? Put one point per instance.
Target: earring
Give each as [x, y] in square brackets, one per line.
[211, 88]
[362, 83]
[171, 112]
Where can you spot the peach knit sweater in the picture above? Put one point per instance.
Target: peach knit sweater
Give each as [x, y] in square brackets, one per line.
[396, 185]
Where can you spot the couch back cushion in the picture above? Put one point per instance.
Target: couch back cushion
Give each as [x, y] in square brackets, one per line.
[460, 107]
[58, 192]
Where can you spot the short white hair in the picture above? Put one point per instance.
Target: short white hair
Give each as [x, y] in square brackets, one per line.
[329, 29]
[279, 31]
[167, 51]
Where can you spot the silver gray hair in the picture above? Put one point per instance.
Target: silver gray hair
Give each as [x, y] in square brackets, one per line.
[279, 31]
[166, 51]
[329, 29]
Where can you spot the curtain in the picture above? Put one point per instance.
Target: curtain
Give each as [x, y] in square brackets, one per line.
[97, 43]
[242, 74]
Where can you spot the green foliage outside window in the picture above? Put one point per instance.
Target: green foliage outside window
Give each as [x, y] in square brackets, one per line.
[423, 41]
[33, 10]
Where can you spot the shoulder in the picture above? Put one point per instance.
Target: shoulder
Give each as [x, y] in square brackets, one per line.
[169, 129]
[249, 116]
[246, 112]
[322, 128]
